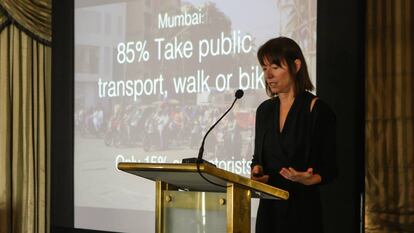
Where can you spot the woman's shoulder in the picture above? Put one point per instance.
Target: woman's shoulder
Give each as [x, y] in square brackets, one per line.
[266, 105]
[322, 108]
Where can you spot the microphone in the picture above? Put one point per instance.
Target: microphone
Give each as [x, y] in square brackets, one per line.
[239, 94]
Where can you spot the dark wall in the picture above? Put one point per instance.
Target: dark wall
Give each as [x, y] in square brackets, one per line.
[62, 209]
[340, 83]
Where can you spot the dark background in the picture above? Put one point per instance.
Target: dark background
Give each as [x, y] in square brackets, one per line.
[340, 83]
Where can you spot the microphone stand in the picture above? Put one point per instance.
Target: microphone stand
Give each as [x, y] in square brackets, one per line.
[199, 160]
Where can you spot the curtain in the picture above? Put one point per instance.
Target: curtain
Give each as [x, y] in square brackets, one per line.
[25, 100]
[389, 161]
[33, 17]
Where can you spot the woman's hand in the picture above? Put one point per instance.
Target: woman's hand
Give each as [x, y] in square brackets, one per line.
[257, 174]
[307, 177]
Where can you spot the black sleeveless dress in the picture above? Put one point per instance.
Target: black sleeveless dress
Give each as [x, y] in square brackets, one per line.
[307, 140]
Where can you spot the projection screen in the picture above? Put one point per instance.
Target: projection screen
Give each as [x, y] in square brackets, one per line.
[151, 76]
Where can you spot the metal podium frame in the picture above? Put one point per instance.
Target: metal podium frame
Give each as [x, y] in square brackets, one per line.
[238, 190]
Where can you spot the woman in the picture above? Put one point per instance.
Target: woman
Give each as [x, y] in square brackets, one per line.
[294, 143]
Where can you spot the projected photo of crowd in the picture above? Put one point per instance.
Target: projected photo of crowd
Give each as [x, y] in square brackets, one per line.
[167, 126]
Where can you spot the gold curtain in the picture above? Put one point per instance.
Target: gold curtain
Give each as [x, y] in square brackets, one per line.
[34, 17]
[389, 174]
[25, 100]
[4, 20]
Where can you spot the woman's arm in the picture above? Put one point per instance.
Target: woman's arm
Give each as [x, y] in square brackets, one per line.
[261, 113]
[324, 144]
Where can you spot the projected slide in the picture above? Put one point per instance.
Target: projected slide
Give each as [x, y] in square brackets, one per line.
[151, 76]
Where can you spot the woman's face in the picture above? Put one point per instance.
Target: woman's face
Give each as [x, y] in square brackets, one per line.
[277, 77]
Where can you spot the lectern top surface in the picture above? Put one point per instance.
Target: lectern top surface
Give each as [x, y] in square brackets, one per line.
[186, 177]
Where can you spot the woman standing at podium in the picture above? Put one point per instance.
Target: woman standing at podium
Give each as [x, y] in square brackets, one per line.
[295, 142]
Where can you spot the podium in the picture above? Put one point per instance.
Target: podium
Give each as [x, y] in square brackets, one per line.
[186, 202]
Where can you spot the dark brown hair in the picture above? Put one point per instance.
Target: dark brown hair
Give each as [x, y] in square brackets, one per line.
[282, 49]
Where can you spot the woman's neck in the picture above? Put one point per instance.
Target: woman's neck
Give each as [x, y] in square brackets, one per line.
[286, 98]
